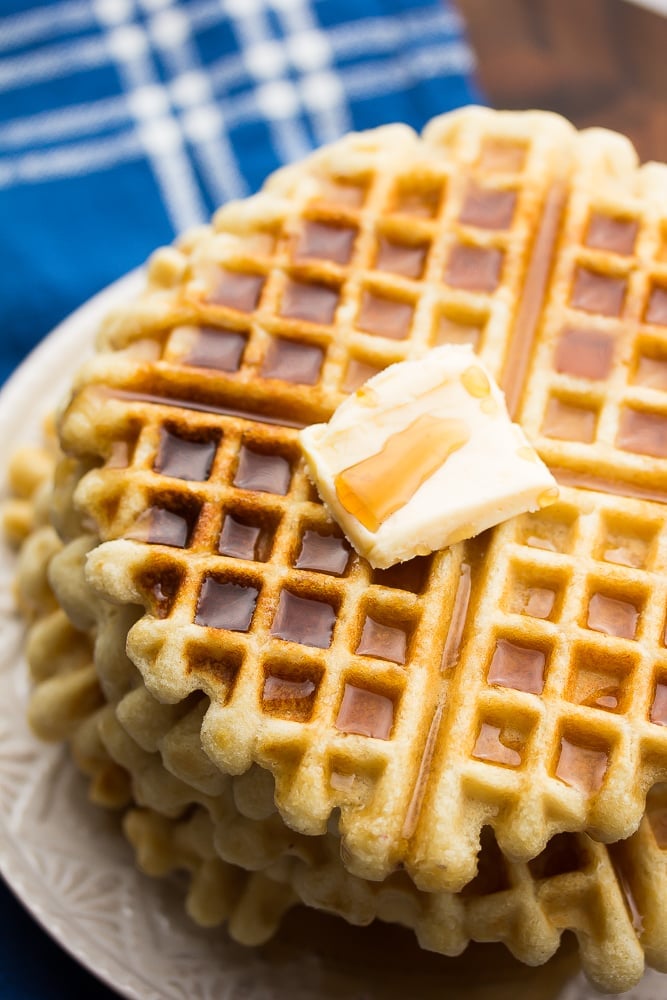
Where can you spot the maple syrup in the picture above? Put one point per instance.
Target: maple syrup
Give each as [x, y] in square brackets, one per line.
[581, 767]
[292, 361]
[158, 526]
[303, 620]
[323, 553]
[643, 433]
[517, 667]
[652, 372]
[584, 353]
[241, 540]
[418, 451]
[656, 311]
[226, 605]
[659, 707]
[401, 258]
[538, 602]
[324, 241]
[262, 473]
[311, 302]
[598, 293]
[568, 423]
[613, 617]
[237, 290]
[182, 458]
[490, 747]
[474, 269]
[410, 575]
[357, 373]
[606, 232]
[365, 713]
[384, 317]
[486, 208]
[216, 348]
[287, 697]
[383, 641]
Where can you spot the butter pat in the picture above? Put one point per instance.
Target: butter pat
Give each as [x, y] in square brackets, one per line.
[424, 455]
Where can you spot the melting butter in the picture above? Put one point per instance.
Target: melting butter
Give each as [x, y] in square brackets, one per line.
[423, 456]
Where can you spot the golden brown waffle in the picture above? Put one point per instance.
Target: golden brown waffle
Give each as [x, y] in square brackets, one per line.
[67, 705]
[66, 699]
[191, 818]
[427, 701]
[253, 905]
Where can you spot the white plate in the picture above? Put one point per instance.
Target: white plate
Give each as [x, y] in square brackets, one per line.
[67, 862]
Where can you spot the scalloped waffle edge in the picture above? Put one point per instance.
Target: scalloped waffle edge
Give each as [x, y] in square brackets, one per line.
[573, 885]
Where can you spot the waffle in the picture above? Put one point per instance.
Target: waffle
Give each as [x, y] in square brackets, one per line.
[67, 705]
[187, 816]
[456, 691]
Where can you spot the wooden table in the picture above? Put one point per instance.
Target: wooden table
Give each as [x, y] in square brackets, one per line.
[599, 62]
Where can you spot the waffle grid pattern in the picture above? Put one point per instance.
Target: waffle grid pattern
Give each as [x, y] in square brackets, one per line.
[191, 817]
[185, 823]
[359, 229]
[368, 732]
[560, 699]
[598, 409]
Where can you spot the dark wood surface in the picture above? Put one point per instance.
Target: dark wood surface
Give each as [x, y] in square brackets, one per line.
[599, 62]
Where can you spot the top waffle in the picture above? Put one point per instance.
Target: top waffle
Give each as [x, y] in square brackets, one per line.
[518, 680]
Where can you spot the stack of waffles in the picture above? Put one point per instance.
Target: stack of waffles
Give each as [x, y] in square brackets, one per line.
[471, 743]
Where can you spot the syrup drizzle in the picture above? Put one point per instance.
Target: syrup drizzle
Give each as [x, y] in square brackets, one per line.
[613, 617]
[659, 707]
[158, 526]
[182, 458]
[262, 473]
[517, 667]
[607, 232]
[657, 306]
[585, 353]
[581, 767]
[383, 641]
[643, 433]
[323, 553]
[450, 655]
[475, 269]
[226, 605]
[292, 361]
[594, 292]
[288, 697]
[242, 541]
[418, 450]
[365, 713]
[490, 747]
[574, 477]
[177, 402]
[532, 299]
[216, 348]
[452, 648]
[383, 317]
[302, 620]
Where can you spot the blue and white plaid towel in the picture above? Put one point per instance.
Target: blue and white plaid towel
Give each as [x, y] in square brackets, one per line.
[123, 122]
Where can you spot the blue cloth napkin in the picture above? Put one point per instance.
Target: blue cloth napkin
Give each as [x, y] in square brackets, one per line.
[123, 122]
